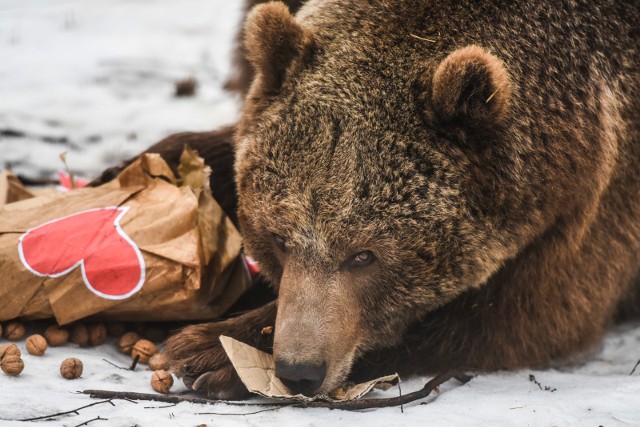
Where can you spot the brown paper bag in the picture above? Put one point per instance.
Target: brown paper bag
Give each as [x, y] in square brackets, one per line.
[11, 190]
[139, 248]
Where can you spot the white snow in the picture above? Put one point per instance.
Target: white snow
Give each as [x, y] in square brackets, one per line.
[599, 392]
[101, 74]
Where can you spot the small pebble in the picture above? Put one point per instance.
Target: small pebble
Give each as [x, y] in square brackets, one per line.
[186, 87]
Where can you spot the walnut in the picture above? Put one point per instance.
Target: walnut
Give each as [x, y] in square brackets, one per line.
[116, 329]
[97, 334]
[9, 350]
[36, 345]
[56, 336]
[127, 341]
[71, 368]
[161, 381]
[151, 333]
[143, 349]
[14, 331]
[79, 335]
[154, 334]
[158, 362]
[12, 365]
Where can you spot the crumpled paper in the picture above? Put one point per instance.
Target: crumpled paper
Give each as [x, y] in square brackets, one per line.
[11, 190]
[257, 371]
[183, 248]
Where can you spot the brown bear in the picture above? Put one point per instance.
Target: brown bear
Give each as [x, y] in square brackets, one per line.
[431, 185]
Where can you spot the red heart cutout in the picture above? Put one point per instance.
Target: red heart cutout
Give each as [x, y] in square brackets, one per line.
[112, 265]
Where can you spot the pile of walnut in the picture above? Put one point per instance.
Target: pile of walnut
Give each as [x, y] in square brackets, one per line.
[140, 348]
[145, 352]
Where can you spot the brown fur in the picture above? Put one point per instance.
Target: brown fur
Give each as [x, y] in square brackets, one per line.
[243, 73]
[493, 174]
[470, 87]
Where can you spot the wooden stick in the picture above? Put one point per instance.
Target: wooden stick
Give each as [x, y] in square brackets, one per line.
[134, 363]
[357, 405]
[351, 405]
[173, 398]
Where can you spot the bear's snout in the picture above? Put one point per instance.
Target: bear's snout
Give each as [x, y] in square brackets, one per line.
[302, 378]
[317, 329]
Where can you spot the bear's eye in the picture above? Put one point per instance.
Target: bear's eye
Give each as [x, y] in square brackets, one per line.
[281, 243]
[362, 259]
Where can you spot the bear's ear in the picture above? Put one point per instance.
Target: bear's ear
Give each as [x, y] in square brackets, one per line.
[273, 41]
[470, 89]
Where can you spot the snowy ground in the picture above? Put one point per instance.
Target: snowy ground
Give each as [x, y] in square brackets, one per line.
[599, 392]
[96, 78]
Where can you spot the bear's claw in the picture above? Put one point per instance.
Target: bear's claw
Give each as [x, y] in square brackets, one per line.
[222, 384]
[196, 355]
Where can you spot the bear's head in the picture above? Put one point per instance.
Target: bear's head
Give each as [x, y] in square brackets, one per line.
[377, 181]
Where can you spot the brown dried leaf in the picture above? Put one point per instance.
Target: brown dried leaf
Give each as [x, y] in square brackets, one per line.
[193, 171]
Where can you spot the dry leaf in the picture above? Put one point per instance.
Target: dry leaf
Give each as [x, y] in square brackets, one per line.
[193, 171]
[257, 371]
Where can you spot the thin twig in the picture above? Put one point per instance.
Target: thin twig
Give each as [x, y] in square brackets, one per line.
[351, 405]
[113, 364]
[400, 395]
[72, 181]
[423, 38]
[73, 411]
[356, 405]
[98, 418]
[293, 405]
[174, 398]
[491, 96]
[533, 379]
[171, 405]
[634, 367]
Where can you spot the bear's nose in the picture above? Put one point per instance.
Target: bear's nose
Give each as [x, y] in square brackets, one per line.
[301, 377]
